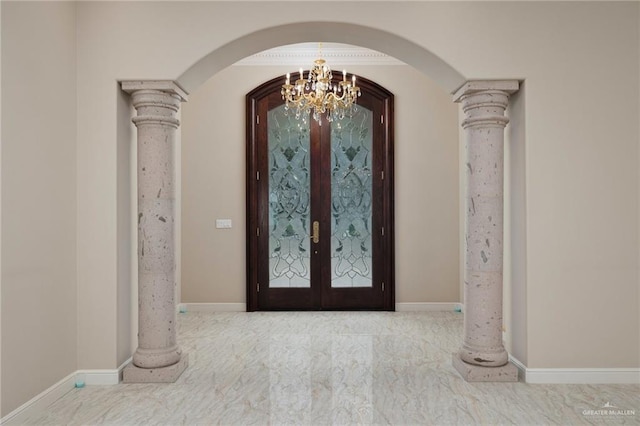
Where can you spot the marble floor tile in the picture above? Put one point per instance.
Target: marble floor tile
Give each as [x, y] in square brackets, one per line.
[338, 368]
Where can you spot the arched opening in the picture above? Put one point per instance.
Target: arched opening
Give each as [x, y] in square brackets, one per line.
[412, 54]
[213, 156]
[405, 50]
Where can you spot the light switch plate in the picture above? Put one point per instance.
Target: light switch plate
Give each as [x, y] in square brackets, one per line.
[223, 223]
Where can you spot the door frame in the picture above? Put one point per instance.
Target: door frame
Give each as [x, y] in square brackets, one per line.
[253, 183]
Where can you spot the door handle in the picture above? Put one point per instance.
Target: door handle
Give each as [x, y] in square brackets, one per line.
[316, 232]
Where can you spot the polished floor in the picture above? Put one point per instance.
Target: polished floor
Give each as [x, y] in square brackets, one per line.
[332, 368]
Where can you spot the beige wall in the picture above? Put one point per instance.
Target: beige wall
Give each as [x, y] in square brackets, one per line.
[426, 198]
[581, 144]
[127, 295]
[581, 189]
[39, 322]
[581, 64]
[1, 412]
[515, 231]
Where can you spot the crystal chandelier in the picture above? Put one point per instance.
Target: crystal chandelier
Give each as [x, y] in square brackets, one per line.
[318, 94]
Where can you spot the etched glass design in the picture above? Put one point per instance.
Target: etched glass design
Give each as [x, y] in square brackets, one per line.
[289, 201]
[351, 156]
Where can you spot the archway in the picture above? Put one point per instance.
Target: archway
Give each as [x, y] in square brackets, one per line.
[482, 356]
[405, 50]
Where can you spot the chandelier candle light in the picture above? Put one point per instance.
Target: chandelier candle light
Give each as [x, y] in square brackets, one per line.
[318, 94]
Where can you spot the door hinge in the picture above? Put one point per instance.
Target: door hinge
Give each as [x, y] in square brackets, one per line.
[257, 119]
[382, 174]
[382, 285]
[258, 175]
[258, 287]
[382, 119]
[258, 232]
[382, 231]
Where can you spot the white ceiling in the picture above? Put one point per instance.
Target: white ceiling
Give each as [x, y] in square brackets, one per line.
[303, 55]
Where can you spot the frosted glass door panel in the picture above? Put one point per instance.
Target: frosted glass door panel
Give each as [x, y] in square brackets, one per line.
[351, 156]
[289, 201]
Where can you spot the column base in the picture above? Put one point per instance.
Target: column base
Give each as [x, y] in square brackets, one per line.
[477, 373]
[168, 374]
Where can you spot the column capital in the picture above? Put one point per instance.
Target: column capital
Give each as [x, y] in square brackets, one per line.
[168, 86]
[477, 86]
[156, 101]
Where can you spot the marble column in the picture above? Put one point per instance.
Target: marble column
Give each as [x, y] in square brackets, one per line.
[483, 356]
[158, 357]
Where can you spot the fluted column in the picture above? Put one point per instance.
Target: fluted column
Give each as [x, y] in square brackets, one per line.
[483, 356]
[158, 357]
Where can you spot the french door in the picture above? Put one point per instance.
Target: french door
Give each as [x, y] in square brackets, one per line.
[320, 205]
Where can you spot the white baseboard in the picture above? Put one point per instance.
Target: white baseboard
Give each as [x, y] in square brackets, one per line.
[40, 402]
[522, 369]
[101, 377]
[429, 307]
[579, 376]
[583, 375]
[98, 377]
[212, 307]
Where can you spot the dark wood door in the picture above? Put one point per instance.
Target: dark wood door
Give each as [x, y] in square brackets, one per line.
[320, 205]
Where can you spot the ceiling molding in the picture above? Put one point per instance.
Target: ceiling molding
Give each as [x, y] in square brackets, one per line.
[304, 54]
